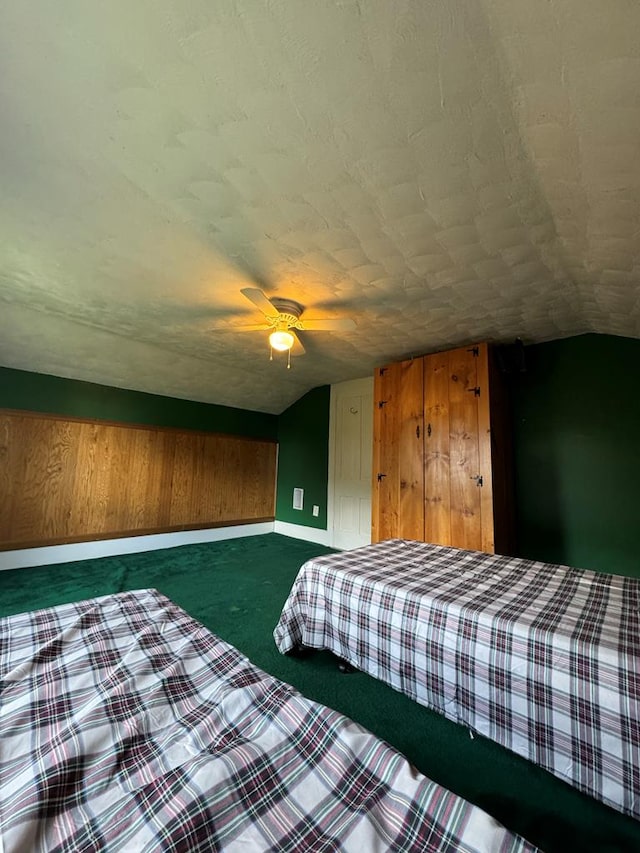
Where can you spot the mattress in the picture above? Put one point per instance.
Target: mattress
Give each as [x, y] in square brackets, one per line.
[543, 659]
[127, 725]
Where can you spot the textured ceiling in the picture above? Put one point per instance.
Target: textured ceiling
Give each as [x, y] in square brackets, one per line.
[441, 172]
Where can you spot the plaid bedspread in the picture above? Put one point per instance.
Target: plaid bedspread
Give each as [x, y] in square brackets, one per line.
[543, 659]
[126, 725]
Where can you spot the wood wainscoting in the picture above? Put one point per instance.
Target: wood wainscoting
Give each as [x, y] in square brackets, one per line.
[74, 480]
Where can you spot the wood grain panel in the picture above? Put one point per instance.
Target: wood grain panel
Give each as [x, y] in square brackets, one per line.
[82, 508]
[181, 484]
[484, 450]
[466, 519]
[437, 497]
[386, 486]
[398, 461]
[259, 480]
[411, 450]
[7, 464]
[67, 480]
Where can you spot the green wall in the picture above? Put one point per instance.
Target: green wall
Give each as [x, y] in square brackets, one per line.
[577, 454]
[303, 458]
[576, 415]
[20, 389]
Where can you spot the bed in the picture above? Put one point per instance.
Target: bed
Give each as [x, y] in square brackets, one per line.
[542, 658]
[127, 725]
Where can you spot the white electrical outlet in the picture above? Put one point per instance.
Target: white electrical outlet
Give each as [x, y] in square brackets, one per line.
[316, 510]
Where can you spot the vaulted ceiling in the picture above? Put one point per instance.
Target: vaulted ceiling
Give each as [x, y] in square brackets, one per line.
[441, 172]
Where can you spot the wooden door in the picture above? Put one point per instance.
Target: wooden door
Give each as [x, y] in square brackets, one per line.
[437, 476]
[464, 463]
[458, 477]
[398, 456]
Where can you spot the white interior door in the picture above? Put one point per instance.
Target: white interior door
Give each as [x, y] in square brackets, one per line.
[350, 450]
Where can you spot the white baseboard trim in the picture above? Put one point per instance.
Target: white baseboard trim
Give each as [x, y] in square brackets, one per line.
[301, 531]
[29, 557]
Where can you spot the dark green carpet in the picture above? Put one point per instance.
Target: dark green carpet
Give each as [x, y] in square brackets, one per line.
[237, 589]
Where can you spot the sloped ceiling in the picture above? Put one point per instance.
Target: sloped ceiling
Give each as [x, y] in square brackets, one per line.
[441, 172]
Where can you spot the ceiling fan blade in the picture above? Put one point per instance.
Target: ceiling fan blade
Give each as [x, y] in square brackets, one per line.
[256, 327]
[260, 301]
[297, 348]
[329, 324]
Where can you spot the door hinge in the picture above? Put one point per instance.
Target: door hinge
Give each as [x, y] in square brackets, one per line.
[382, 403]
[383, 370]
[478, 479]
[429, 430]
[475, 351]
[418, 431]
[476, 391]
[381, 477]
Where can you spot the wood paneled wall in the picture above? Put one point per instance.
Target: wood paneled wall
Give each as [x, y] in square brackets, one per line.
[72, 480]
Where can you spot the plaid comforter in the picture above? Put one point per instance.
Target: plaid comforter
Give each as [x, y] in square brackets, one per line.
[126, 725]
[543, 659]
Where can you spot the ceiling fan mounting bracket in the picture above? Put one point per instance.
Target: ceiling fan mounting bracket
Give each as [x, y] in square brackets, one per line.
[287, 307]
[288, 313]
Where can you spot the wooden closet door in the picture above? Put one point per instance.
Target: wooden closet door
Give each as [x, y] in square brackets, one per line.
[458, 480]
[494, 457]
[437, 474]
[466, 492]
[398, 456]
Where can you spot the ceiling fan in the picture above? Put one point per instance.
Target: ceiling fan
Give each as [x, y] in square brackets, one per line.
[284, 318]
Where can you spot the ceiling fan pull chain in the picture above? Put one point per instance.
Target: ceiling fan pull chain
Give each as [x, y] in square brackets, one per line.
[270, 353]
[289, 359]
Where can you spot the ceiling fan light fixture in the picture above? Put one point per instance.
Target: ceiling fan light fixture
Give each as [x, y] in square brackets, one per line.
[281, 340]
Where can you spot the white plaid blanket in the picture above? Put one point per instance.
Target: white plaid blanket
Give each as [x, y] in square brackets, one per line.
[543, 659]
[126, 725]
